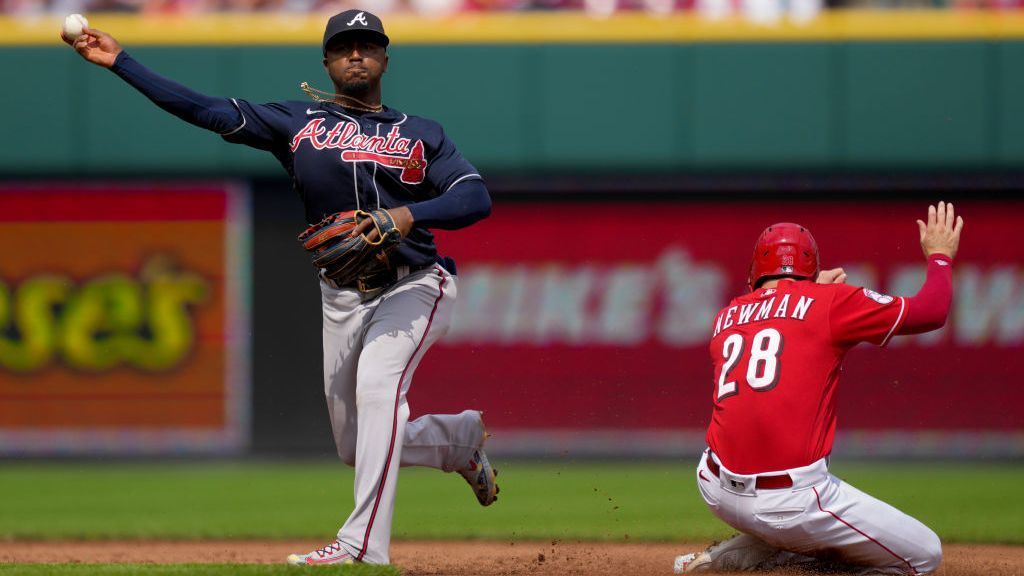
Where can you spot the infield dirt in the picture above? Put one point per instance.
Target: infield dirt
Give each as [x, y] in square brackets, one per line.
[461, 558]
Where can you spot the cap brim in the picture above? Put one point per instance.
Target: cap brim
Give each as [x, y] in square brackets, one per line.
[377, 37]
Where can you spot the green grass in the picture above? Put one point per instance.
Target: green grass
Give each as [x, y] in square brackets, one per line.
[193, 570]
[964, 502]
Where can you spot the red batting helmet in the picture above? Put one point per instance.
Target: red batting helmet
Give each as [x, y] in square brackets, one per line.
[783, 250]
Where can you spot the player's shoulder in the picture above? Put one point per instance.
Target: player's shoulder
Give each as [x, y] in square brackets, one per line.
[852, 294]
[423, 123]
[784, 287]
[792, 289]
[280, 104]
[301, 108]
[419, 120]
[814, 289]
[292, 109]
[840, 290]
[754, 297]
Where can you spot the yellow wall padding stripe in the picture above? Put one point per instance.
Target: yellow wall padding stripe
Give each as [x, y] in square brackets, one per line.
[529, 28]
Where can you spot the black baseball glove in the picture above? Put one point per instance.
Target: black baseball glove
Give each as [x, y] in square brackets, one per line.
[346, 257]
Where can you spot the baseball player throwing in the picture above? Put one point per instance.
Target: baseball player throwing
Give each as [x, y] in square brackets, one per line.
[347, 151]
[777, 353]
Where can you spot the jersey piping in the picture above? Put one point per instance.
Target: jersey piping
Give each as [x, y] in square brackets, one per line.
[463, 178]
[240, 113]
[899, 320]
[861, 532]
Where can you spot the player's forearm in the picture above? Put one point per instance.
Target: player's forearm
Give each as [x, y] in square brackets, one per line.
[467, 202]
[929, 309]
[217, 114]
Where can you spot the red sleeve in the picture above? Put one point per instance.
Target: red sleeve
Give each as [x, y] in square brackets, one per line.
[863, 315]
[928, 310]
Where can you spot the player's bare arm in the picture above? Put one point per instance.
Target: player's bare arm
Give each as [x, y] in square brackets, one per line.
[95, 46]
[941, 234]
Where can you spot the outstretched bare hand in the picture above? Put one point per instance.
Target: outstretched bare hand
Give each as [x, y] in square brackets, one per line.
[941, 234]
[95, 46]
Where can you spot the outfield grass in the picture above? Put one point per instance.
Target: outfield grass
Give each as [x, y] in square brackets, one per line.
[963, 502]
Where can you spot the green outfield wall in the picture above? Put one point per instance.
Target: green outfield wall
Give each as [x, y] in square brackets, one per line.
[817, 105]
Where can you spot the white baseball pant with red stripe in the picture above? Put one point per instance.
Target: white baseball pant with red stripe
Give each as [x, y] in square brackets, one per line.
[823, 517]
[371, 350]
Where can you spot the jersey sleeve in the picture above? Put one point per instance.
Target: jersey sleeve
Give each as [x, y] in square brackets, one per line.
[448, 167]
[263, 126]
[863, 315]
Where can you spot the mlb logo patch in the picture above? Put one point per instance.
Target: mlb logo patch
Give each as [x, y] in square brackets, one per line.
[877, 297]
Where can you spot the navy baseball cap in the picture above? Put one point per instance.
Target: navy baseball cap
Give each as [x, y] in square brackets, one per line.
[355, 21]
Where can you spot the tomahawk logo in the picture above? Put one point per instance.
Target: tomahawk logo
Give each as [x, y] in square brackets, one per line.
[413, 166]
[361, 18]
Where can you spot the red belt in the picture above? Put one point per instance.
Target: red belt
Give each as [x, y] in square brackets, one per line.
[763, 482]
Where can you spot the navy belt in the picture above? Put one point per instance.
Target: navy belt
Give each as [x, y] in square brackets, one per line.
[383, 278]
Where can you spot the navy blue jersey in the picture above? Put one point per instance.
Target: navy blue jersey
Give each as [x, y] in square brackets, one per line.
[341, 159]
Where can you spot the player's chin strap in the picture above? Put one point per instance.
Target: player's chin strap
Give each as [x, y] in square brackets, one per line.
[321, 96]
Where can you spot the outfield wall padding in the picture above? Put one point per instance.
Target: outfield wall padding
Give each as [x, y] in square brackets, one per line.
[537, 108]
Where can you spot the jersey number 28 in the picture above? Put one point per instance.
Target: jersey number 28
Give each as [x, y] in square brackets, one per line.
[763, 367]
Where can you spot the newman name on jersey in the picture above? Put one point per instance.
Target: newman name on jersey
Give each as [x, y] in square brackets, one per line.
[767, 308]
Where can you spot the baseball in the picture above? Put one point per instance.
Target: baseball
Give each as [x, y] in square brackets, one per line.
[73, 25]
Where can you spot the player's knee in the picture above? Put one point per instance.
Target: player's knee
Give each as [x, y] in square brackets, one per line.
[931, 555]
[370, 394]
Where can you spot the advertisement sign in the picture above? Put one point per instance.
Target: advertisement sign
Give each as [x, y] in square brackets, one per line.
[123, 318]
[586, 326]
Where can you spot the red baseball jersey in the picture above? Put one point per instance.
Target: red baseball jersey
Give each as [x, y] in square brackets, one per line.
[777, 354]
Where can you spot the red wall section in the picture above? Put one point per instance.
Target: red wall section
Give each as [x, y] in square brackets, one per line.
[598, 316]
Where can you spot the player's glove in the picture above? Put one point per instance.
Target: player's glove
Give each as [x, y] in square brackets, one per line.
[345, 258]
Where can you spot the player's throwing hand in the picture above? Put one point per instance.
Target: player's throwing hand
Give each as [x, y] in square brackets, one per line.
[941, 235]
[95, 46]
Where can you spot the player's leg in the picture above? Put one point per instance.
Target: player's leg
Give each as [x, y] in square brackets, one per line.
[406, 321]
[822, 517]
[344, 319]
[864, 531]
[745, 551]
[835, 522]
[453, 443]
[443, 441]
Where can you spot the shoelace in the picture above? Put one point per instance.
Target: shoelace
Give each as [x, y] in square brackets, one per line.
[329, 549]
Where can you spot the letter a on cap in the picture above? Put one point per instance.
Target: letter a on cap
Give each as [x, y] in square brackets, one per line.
[359, 18]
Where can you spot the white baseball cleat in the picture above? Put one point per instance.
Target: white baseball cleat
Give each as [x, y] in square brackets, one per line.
[479, 473]
[688, 563]
[482, 478]
[333, 553]
[740, 553]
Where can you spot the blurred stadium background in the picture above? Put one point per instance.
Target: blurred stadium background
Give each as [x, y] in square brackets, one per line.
[153, 300]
